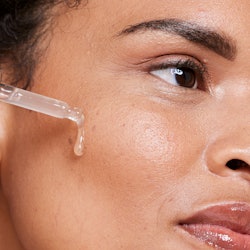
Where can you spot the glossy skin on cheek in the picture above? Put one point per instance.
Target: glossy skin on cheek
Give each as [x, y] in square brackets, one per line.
[149, 153]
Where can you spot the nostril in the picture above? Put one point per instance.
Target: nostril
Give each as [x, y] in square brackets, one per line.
[235, 164]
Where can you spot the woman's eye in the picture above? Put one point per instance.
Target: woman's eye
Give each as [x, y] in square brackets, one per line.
[178, 76]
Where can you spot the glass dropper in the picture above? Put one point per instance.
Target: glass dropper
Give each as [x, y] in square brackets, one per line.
[46, 105]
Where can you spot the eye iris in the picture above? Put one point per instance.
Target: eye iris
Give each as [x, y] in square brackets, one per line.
[184, 77]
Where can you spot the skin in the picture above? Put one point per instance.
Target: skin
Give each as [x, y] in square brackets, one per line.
[154, 153]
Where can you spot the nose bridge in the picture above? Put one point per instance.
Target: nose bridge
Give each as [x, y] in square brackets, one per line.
[232, 104]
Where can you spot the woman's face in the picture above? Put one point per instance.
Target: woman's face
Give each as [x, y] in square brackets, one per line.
[165, 90]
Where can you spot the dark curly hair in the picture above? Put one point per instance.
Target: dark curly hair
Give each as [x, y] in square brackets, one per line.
[22, 25]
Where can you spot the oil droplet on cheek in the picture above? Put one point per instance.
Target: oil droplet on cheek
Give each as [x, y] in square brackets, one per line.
[76, 115]
[79, 144]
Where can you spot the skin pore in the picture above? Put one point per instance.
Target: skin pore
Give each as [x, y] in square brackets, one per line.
[154, 153]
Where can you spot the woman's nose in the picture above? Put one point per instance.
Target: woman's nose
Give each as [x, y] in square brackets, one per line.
[228, 152]
[229, 157]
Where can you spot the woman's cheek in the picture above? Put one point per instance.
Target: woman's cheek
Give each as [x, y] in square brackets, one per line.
[140, 146]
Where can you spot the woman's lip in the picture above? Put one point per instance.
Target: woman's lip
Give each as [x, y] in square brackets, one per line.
[224, 226]
[219, 237]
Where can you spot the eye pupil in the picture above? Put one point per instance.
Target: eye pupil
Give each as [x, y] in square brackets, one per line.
[185, 77]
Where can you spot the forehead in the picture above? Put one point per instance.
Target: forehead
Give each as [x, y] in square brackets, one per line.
[98, 23]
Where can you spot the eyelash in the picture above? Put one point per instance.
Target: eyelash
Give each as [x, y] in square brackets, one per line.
[197, 67]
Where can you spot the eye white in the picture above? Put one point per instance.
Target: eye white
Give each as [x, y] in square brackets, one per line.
[170, 76]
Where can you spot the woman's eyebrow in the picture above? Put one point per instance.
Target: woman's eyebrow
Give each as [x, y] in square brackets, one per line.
[215, 41]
